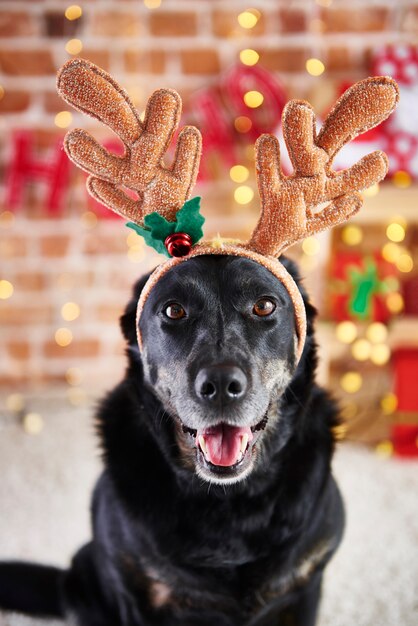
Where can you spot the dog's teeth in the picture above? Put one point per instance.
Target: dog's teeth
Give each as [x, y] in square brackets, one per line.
[244, 442]
[202, 444]
[240, 456]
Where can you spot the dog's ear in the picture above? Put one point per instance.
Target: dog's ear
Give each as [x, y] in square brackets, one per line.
[128, 319]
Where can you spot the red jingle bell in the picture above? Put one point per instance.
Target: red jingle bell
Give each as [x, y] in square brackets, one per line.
[178, 244]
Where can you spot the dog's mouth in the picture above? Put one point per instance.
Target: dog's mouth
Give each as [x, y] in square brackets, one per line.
[225, 450]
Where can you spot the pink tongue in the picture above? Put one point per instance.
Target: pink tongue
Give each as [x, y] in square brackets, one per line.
[223, 443]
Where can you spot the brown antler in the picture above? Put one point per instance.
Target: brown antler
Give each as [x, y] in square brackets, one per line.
[163, 189]
[287, 214]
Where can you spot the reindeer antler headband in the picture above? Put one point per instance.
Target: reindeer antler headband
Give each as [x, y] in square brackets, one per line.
[161, 213]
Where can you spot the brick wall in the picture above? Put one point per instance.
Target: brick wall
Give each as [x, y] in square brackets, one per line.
[75, 257]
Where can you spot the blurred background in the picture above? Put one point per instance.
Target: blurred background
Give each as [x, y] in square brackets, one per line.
[67, 265]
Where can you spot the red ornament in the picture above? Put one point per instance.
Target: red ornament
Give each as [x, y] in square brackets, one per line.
[178, 244]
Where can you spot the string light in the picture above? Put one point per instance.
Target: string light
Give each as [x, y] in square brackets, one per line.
[377, 332]
[63, 337]
[243, 124]
[389, 403]
[352, 235]
[361, 350]
[63, 119]
[402, 179]
[249, 57]
[6, 289]
[253, 99]
[73, 12]
[152, 4]
[380, 354]
[249, 18]
[33, 423]
[239, 173]
[395, 232]
[384, 449]
[74, 46]
[243, 194]
[311, 246]
[70, 311]
[315, 67]
[351, 382]
[372, 191]
[346, 332]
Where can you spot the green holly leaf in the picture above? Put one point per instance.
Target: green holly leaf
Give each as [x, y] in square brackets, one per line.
[189, 220]
[148, 238]
[156, 228]
[159, 226]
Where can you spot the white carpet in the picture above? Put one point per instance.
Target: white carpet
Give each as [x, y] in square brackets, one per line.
[46, 481]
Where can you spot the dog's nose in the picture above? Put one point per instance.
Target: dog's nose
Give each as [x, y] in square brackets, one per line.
[220, 384]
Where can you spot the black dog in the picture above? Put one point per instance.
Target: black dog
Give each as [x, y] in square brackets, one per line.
[216, 506]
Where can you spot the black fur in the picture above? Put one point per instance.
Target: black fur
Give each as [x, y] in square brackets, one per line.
[170, 548]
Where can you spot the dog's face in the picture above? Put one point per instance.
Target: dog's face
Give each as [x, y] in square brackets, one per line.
[219, 348]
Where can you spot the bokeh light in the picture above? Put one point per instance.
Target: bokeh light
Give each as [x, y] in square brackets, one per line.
[361, 349]
[346, 332]
[404, 263]
[33, 423]
[384, 449]
[74, 46]
[351, 382]
[315, 67]
[243, 194]
[73, 376]
[311, 246]
[73, 12]
[380, 354]
[249, 18]
[402, 179]
[389, 403]
[395, 232]
[352, 235]
[253, 99]
[63, 337]
[394, 302]
[70, 311]
[243, 124]
[6, 289]
[249, 56]
[372, 191]
[239, 173]
[377, 332]
[63, 119]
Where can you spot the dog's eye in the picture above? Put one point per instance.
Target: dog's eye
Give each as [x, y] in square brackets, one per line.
[175, 311]
[263, 307]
